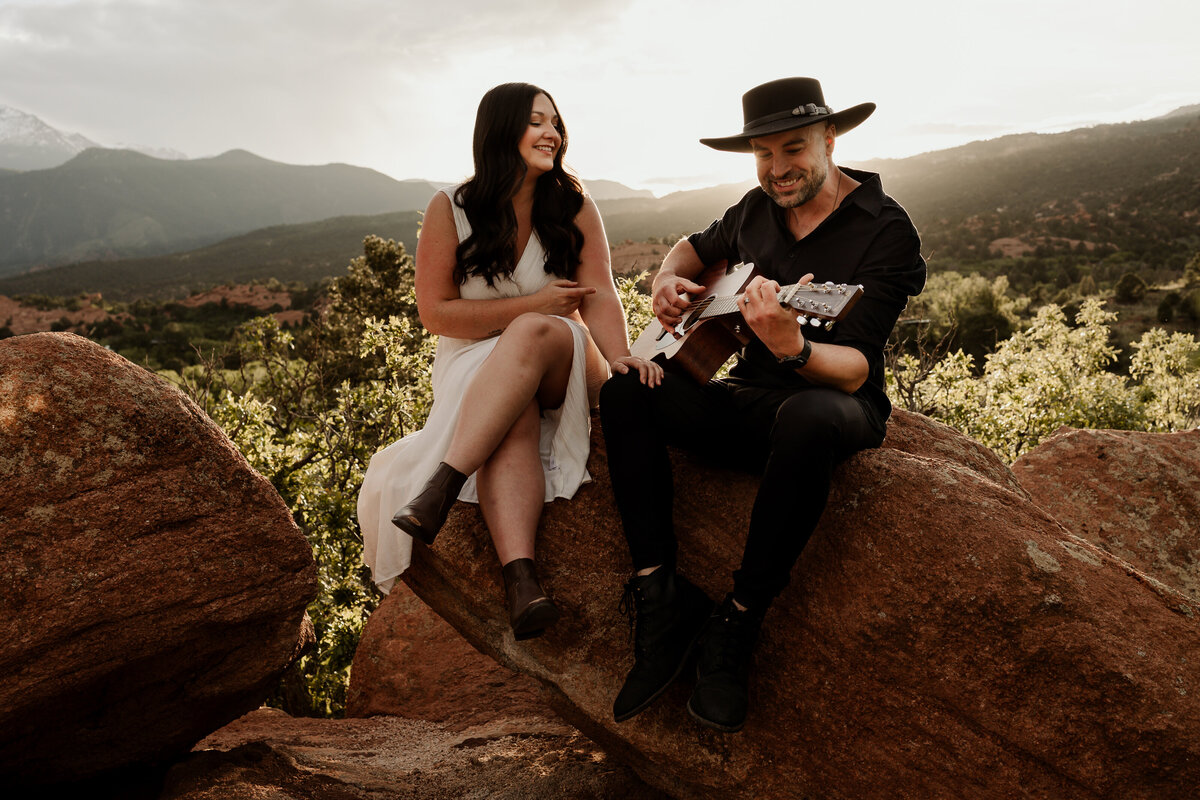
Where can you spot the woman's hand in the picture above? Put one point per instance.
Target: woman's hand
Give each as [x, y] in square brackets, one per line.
[649, 372]
[561, 297]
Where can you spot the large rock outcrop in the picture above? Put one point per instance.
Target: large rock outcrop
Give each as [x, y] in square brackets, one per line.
[268, 754]
[1136, 495]
[410, 663]
[152, 585]
[943, 637]
[450, 719]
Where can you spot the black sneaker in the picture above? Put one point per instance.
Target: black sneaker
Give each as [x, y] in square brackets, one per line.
[722, 694]
[670, 613]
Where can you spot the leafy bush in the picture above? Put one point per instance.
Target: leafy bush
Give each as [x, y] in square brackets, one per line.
[1165, 312]
[1190, 305]
[1168, 366]
[636, 304]
[1053, 374]
[1131, 288]
[1191, 271]
[966, 312]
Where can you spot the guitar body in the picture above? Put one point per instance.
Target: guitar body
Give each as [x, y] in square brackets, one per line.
[712, 328]
[701, 346]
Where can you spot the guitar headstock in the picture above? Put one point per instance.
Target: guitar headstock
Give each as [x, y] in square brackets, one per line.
[821, 302]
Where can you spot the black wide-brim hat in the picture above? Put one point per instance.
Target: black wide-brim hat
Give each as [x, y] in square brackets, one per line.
[784, 105]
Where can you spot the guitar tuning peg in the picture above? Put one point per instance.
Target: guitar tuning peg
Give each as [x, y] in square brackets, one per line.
[801, 320]
[816, 323]
[829, 325]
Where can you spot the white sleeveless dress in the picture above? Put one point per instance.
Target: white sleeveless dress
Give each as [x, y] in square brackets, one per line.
[401, 469]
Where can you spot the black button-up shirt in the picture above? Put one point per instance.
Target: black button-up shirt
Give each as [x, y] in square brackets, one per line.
[868, 240]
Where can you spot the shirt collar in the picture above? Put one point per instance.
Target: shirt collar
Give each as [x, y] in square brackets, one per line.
[869, 194]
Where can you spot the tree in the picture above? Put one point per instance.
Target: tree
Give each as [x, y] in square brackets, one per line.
[1191, 271]
[1168, 306]
[308, 411]
[377, 285]
[970, 313]
[1130, 288]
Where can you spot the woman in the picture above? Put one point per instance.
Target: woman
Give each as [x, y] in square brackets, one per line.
[510, 266]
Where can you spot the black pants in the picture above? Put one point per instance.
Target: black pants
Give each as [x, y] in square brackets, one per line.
[792, 438]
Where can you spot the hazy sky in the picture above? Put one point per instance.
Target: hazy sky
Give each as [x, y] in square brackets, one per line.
[393, 84]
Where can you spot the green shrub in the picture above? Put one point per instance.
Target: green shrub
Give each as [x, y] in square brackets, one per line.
[1130, 288]
[1054, 374]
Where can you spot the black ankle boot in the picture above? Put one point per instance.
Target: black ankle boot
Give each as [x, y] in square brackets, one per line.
[424, 516]
[721, 698]
[529, 609]
[670, 613]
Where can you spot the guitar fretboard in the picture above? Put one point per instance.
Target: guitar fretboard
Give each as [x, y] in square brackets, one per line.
[788, 296]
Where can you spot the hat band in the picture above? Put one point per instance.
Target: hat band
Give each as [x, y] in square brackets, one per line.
[807, 110]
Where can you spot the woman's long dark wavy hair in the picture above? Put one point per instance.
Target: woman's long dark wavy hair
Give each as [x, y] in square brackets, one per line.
[490, 251]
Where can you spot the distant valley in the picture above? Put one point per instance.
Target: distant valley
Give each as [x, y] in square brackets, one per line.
[107, 204]
[127, 224]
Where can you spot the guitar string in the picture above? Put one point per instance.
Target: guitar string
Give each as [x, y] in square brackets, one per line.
[724, 305]
[816, 289]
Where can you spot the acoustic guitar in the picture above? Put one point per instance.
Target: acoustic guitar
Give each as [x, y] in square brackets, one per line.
[712, 328]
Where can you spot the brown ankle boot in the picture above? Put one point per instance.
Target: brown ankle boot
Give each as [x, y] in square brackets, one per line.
[529, 609]
[424, 516]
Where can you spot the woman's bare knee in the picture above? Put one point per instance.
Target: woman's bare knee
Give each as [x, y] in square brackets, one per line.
[538, 335]
[532, 326]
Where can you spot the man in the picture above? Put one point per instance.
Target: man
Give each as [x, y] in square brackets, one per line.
[799, 400]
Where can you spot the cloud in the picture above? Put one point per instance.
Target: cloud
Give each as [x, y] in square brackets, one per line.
[393, 84]
[953, 129]
[185, 71]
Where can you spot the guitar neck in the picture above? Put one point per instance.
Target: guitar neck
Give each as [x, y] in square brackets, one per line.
[719, 306]
[814, 302]
[728, 304]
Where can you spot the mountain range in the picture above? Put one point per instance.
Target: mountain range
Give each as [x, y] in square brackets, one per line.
[105, 204]
[1082, 184]
[1130, 191]
[26, 142]
[64, 199]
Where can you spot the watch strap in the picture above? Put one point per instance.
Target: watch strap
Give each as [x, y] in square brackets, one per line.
[800, 359]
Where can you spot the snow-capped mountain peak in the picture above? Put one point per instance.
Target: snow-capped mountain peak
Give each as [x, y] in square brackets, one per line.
[27, 143]
[18, 128]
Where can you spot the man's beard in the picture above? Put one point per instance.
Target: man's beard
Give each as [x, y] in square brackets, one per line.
[808, 187]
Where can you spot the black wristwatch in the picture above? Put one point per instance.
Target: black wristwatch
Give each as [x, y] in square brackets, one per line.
[798, 360]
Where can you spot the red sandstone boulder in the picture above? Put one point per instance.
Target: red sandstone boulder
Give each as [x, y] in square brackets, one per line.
[152, 585]
[1136, 495]
[410, 663]
[943, 637]
[918, 435]
[268, 754]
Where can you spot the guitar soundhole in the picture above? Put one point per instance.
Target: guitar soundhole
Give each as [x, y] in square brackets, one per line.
[697, 312]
